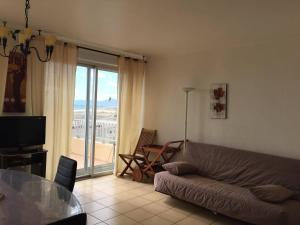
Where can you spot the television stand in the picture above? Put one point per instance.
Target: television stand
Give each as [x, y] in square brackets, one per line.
[33, 161]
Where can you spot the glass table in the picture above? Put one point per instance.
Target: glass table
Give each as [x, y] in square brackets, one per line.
[33, 200]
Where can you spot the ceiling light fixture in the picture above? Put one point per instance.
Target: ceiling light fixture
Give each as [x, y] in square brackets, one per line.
[24, 38]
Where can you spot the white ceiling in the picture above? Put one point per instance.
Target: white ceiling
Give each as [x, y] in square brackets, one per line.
[161, 26]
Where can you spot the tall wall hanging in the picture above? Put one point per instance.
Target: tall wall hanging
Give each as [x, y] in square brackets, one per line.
[218, 101]
[15, 90]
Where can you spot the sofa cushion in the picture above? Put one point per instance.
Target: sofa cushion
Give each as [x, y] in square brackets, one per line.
[227, 199]
[180, 168]
[243, 168]
[271, 193]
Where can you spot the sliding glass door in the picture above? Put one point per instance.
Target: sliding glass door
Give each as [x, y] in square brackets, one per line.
[95, 120]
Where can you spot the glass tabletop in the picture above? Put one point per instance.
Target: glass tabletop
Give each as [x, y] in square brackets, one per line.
[33, 200]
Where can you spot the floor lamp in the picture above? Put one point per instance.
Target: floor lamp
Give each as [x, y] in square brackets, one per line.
[187, 90]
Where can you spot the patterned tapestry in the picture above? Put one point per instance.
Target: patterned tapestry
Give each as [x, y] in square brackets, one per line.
[15, 90]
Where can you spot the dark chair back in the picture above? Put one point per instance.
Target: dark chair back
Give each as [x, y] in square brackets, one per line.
[66, 173]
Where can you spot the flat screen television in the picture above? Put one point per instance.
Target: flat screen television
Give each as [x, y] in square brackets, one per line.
[22, 131]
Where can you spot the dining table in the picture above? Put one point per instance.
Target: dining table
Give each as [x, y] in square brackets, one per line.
[33, 200]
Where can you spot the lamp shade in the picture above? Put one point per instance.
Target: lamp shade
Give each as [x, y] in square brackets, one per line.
[22, 38]
[4, 32]
[50, 40]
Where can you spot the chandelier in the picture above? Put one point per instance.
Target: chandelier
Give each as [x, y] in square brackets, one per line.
[24, 39]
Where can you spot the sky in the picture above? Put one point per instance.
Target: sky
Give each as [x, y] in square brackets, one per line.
[107, 84]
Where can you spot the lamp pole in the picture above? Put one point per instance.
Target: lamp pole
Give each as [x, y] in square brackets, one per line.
[187, 90]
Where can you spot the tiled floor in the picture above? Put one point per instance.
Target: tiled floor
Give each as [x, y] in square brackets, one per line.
[120, 201]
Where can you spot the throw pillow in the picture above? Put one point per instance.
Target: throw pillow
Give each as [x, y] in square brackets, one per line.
[272, 193]
[180, 168]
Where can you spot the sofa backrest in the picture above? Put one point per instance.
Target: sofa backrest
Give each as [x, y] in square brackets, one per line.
[243, 168]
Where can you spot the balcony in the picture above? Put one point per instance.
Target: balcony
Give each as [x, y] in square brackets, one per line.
[105, 135]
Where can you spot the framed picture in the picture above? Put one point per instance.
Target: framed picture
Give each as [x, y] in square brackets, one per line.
[218, 101]
[15, 87]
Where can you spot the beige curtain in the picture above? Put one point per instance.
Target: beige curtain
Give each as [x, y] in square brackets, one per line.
[35, 80]
[132, 78]
[58, 103]
[3, 74]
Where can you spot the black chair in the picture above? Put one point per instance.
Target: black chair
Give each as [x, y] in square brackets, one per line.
[74, 220]
[66, 173]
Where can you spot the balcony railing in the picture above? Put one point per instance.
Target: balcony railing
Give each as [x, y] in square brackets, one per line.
[105, 135]
[105, 130]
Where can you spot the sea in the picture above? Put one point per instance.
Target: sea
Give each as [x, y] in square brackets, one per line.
[110, 103]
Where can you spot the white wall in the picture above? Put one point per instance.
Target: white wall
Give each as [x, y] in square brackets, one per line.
[264, 93]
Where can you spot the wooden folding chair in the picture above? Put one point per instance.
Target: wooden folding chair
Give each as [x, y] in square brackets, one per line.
[146, 138]
[160, 154]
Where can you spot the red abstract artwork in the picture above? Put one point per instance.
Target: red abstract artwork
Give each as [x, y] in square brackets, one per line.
[218, 106]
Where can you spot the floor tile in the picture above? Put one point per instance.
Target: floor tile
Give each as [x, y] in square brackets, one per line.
[108, 201]
[134, 185]
[172, 215]
[192, 221]
[168, 202]
[92, 207]
[204, 215]
[157, 220]
[155, 208]
[112, 191]
[149, 186]
[139, 191]
[121, 201]
[186, 208]
[120, 220]
[139, 201]
[95, 195]
[125, 196]
[123, 207]
[105, 214]
[92, 220]
[139, 214]
[85, 189]
[154, 196]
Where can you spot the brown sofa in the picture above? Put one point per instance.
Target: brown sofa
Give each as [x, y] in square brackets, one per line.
[223, 178]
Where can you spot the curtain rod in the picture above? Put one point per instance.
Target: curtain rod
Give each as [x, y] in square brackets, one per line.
[90, 46]
[109, 53]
